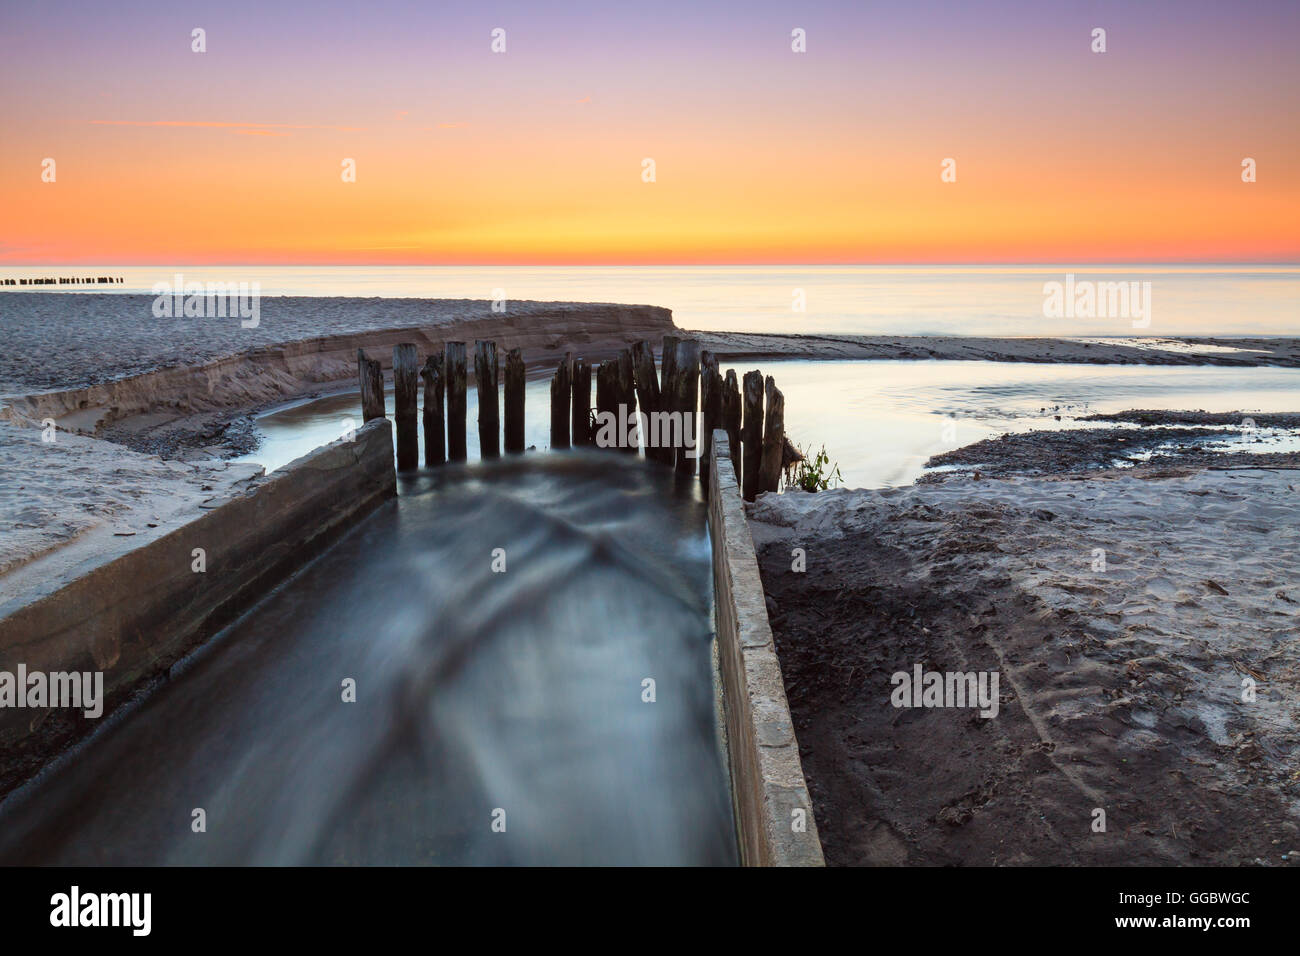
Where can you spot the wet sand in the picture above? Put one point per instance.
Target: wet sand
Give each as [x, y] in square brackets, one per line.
[1278, 352]
[1124, 611]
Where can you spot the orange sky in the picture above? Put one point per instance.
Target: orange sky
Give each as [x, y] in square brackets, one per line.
[762, 155]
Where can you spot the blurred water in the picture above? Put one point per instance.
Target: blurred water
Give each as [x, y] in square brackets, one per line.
[894, 300]
[476, 692]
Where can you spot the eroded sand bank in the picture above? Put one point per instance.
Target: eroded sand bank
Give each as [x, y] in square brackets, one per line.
[1126, 612]
[172, 395]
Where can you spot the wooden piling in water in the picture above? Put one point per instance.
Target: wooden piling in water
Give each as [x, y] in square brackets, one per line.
[751, 434]
[370, 376]
[731, 405]
[667, 363]
[561, 399]
[487, 371]
[769, 469]
[581, 403]
[435, 439]
[647, 393]
[514, 402]
[455, 372]
[625, 394]
[606, 385]
[406, 372]
[687, 374]
[710, 409]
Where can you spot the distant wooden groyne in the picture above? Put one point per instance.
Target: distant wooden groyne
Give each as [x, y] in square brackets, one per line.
[66, 280]
[669, 414]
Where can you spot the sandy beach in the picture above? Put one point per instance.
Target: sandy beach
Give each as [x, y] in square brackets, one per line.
[149, 402]
[1125, 611]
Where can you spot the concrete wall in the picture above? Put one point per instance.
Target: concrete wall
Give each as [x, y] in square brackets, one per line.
[766, 775]
[135, 616]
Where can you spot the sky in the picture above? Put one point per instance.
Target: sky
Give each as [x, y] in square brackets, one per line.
[761, 154]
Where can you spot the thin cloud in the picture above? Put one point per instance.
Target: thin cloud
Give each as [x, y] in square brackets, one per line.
[212, 124]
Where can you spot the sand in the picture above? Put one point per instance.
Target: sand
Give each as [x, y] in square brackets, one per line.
[1280, 352]
[76, 487]
[1121, 687]
[68, 340]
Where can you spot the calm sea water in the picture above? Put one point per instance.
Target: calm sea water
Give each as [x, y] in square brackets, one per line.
[892, 300]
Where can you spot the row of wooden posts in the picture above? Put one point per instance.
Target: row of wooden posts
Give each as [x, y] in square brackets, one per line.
[688, 384]
[101, 280]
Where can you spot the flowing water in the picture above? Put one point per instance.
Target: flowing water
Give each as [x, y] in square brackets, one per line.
[482, 696]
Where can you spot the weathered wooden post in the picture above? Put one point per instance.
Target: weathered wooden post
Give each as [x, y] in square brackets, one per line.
[370, 376]
[487, 370]
[687, 374]
[561, 397]
[710, 409]
[751, 434]
[666, 366]
[647, 393]
[606, 401]
[769, 469]
[456, 401]
[435, 452]
[581, 403]
[731, 417]
[514, 401]
[625, 394]
[406, 372]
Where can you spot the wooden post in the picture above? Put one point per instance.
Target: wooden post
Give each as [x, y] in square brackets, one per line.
[514, 401]
[435, 439]
[751, 434]
[456, 401]
[731, 417]
[625, 394]
[561, 398]
[666, 367]
[581, 403]
[486, 372]
[605, 386]
[710, 409]
[687, 374]
[647, 393]
[370, 376]
[406, 372]
[769, 469]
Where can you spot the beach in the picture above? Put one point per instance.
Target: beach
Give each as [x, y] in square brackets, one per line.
[146, 402]
[1120, 687]
[1126, 612]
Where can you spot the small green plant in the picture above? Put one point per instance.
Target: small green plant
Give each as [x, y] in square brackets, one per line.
[813, 474]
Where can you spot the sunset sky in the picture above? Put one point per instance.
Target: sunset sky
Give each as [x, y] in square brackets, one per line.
[762, 155]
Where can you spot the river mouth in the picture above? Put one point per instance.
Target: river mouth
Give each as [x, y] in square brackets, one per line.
[882, 421]
[529, 648]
